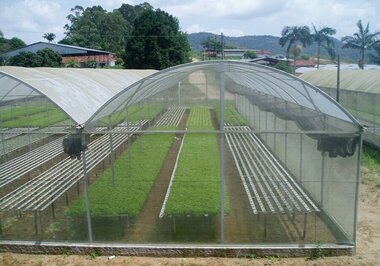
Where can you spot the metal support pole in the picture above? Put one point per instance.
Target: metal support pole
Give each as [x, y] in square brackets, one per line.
[36, 222]
[304, 226]
[222, 40]
[27, 115]
[301, 156]
[265, 225]
[322, 177]
[286, 143]
[222, 181]
[112, 152]
[129, 139]
[3, 143]
[274, 134]
[2, 138]
[53, 210]
[206, 89]
[338, 80]
[179, 93]
[67, 199]
[357, 189]
[85, 189]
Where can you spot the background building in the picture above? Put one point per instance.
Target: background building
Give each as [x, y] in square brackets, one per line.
[69, 52]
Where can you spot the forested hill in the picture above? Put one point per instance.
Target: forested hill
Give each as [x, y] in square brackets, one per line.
[267, 42]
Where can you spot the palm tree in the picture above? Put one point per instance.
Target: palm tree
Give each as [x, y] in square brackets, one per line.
[361, 40]
[293, 35]
[49, 36]
[323, 36]
[295, 50]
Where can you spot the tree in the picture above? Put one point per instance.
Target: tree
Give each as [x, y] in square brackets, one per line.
[250, 54]
[321, 36]
[295, 50]
[7, 45]
[49, 58]
[156, 42]
[49, 36]
[25, 59]
[281, 65]
[96, 28]
[43, 58]
[362, 40]
[212, 44]
[130, 13]
[72, 63]
[1, 34]
[292, 35]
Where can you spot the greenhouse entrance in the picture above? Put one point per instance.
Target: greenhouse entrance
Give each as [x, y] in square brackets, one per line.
[210, 153]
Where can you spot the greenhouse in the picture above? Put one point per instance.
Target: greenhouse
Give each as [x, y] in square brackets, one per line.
[358, 93]
[217, 153]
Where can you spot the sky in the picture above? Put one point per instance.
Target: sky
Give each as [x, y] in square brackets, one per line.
[30, 19]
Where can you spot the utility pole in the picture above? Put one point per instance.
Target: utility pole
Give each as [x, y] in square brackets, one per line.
[222, 44]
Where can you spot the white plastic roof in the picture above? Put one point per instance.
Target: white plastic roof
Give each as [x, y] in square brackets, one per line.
[78, 92]
[355, 80]
[88, 95]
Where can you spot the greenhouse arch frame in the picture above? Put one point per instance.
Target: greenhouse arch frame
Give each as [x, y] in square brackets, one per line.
[239, 155]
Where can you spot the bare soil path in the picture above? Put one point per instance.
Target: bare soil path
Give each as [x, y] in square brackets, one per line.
[145, 225]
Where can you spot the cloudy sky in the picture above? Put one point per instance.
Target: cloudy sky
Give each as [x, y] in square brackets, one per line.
[30, 19]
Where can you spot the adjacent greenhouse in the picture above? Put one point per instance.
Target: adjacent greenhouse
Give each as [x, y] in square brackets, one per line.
[359, 93]
[209, 153]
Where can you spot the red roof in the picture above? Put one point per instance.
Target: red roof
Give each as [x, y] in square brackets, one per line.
[305, 63]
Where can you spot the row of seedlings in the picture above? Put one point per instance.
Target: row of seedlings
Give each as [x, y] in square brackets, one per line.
[191, 210]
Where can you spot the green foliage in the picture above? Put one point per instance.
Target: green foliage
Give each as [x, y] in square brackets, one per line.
[25, 59]
[134, 113]
[134, 179]
[96, 28]
[281, 65]
[317, 252]
[89, 64]
[39, 119]
[370, 166]
[49, 58]
[43, 58]
[20, 110]
[130, 13]
[231, 115]
[268, 42]
[212, 44]
[156, 42]
[322, 37]
[49, 36]
[196, 186]
[7, 45]
[94, 254]
[250, 54]
[72, 63]
[362, 40]
[292, 35]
